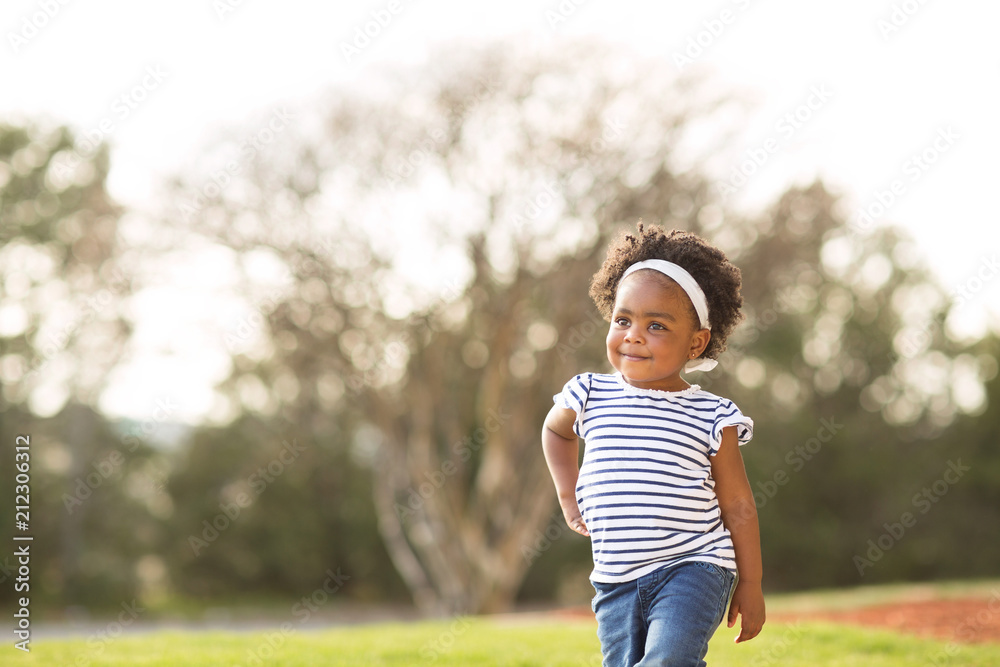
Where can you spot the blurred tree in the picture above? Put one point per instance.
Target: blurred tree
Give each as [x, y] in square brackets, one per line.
[63, 279]
[441, 350]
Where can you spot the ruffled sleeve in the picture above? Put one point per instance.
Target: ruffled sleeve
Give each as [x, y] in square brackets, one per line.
[727, 414]
[574, 397]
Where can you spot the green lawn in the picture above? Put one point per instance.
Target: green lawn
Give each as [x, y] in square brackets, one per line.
[484, 642]
[516, 640]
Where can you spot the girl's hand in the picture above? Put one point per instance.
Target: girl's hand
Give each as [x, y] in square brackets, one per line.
[571, 512]
[748, 601]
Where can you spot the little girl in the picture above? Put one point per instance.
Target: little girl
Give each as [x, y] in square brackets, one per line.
[662, 491]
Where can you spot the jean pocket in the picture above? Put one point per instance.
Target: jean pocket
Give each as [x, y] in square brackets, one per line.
[600, 590]
[724, 575]
[597, 594]
[727, 584]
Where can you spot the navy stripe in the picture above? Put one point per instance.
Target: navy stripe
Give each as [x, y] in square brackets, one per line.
[650, 482]
[597, 527]
[625, 439]
[591, 508]
[716, 527]
[645, 449]
[665, 461]
[708, 406]
[649, 469]
[651, 522]
[643, 494]
[693, 537]
[698, 430]
[598, 510]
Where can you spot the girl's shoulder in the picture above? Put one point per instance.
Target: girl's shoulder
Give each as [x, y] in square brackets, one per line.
[590, 378]
[721, 402]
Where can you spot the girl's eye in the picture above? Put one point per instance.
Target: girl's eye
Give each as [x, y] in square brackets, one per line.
[657, 326]
[621, 321]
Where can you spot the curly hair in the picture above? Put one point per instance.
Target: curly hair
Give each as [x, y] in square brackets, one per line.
[717, 276]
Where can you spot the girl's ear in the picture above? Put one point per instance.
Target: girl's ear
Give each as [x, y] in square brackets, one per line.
[699, 341]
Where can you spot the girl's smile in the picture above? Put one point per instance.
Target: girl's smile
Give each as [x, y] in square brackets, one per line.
[653, 332]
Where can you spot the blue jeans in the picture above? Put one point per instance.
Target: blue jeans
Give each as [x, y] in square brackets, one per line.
[663, 618]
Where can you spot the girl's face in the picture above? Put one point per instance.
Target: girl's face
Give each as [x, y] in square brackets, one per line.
[653, 332]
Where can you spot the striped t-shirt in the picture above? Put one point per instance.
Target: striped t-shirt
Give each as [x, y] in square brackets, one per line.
[645, 489]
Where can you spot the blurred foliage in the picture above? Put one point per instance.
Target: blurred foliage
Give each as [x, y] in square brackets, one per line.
[64, 269]
[63, 278]
[352, 382]
[91, 521]
[256, 501]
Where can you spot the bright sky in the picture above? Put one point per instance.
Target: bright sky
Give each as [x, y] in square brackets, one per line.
[893, 102]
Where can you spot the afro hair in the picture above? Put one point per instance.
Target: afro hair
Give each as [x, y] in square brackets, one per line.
[717, 276]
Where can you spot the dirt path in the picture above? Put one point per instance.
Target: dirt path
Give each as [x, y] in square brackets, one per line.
[969, 620]
[965, 620]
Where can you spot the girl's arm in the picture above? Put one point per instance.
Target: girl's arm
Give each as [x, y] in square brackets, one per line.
[562, 453]
[739, 514]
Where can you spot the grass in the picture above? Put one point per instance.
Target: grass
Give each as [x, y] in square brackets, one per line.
[465, 642]
[521, 641]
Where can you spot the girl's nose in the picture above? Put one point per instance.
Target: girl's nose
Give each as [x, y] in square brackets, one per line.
[633, 334]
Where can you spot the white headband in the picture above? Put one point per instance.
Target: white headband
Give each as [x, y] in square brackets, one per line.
[694, 292]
